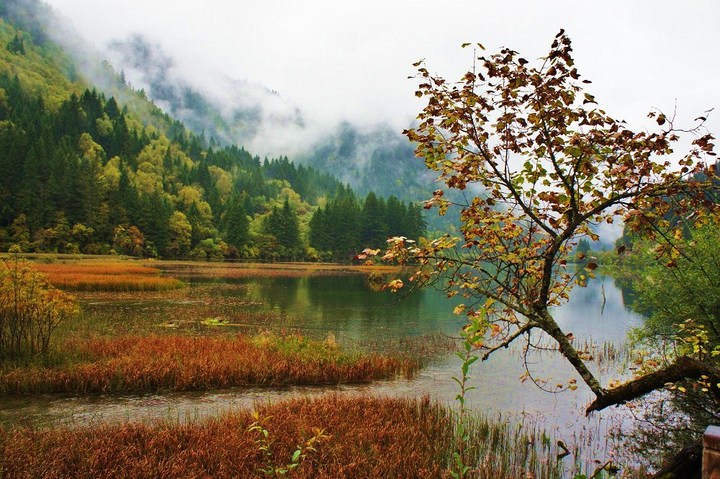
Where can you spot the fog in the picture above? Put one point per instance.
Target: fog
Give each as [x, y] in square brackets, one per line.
[303, 67]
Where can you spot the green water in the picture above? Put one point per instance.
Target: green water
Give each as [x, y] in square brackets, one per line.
[350, 308]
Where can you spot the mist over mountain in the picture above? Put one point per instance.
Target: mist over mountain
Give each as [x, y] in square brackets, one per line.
[373, 158]
[233, 111]
[228, 110]
[368, 157]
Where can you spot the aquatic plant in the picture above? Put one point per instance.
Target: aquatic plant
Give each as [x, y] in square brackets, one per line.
[106, 276]
[138, 364]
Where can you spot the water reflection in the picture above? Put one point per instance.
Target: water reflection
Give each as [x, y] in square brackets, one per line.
[350, 308]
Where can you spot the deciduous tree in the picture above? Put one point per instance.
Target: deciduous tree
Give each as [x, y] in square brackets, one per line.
[542, 164]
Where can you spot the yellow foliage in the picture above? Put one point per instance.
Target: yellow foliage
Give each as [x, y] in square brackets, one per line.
[30, 310]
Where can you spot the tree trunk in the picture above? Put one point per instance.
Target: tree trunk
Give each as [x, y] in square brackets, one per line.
[684, 367]
[549, 325]
[686, 464]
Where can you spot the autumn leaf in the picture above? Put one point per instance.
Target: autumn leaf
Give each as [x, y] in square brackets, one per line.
[395, 285]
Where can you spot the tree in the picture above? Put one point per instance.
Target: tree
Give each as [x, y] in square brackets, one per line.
[180, 231]
[235, 224]
[128, 240]
[337, 227]
[583, 248]
[543, 165]
[16, 45]
[682, 305]
[373, 227]
[690, 290]
[30, 310]
[283, 224]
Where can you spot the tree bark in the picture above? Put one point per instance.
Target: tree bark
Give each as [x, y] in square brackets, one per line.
[548, 324]
[684, 367]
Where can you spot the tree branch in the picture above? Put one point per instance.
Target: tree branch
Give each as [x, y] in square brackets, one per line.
[527, 327]
[684, 367]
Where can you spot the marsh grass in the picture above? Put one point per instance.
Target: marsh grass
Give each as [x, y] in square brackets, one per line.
[366, 438]
[141, 364]
[106, 276]
[200, 270]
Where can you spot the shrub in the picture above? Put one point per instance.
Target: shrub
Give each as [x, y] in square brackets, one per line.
[30, 310]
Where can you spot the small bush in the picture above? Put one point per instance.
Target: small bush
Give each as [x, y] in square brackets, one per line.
[30, 310]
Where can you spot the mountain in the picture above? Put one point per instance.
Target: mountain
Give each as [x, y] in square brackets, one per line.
[369, 158]
[89, 164]
[231, 111]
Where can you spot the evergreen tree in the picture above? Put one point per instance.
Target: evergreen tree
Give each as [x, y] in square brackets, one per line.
[415, 224]
[16, 46]
[154, 222]
[283, 224]
[235, 224]
[373, 226]
[395, 217]
[13, 145]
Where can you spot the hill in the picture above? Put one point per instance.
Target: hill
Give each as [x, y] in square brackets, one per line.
[93, 170]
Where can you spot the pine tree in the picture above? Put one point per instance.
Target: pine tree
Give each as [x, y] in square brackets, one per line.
[16, 46]
[283, 224]
[235, 224]
[373, 228]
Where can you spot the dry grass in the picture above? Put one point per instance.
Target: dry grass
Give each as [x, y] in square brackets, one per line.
[277, 270]
[96, 267]
[136, 364]
[367, 438]
[106, 276]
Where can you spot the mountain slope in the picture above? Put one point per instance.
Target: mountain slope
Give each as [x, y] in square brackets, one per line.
[368, 157]
[85, 171]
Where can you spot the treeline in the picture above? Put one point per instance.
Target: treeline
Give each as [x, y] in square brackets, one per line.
[88, 177]
[345, 224]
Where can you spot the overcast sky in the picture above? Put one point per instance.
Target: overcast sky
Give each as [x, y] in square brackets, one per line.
[338, 59]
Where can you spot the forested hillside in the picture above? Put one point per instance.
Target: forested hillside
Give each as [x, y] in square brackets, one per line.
[84, 172]
[369, 157]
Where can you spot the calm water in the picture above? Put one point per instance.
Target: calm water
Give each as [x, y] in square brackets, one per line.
[347, 307]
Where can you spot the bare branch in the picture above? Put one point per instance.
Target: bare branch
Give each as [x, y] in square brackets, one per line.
[527, 327]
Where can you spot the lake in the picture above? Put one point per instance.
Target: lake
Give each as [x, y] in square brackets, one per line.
[352, 310]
